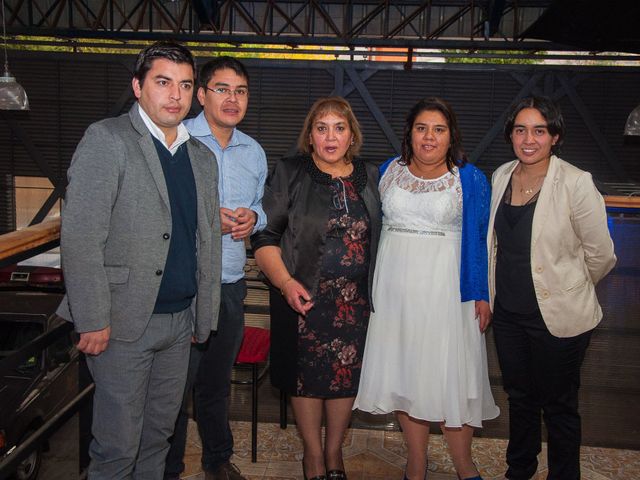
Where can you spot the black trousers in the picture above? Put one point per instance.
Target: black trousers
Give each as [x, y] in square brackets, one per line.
[210, 368]
[541, 375]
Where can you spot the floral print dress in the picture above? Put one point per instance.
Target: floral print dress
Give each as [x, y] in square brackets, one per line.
[331, 337]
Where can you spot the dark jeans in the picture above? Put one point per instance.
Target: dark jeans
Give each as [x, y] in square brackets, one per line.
[210, 368]
[541, 373]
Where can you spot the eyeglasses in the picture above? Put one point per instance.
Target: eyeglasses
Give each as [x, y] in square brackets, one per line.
[241, 92]
[339, 198]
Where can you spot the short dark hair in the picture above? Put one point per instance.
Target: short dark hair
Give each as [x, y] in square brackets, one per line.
[547, 108]
[169, 50]
[212, 66]
[455, 152]
[338, 106]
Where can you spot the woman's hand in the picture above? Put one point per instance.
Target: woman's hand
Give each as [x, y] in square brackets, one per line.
[483, 314]
[296, 296]
[269, 259]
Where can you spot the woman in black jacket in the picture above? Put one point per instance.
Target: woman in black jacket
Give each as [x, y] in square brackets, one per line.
[318, 251]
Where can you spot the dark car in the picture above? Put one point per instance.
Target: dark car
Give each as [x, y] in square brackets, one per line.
[32, 392]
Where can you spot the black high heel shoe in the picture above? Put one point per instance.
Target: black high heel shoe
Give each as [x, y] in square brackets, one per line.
[317, 477]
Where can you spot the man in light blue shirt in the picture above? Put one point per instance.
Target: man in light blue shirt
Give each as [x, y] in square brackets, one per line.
[242, 165]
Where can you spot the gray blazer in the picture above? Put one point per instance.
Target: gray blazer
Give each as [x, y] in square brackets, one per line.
[115, 219]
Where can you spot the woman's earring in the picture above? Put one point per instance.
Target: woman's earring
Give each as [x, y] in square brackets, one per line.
[353, 142]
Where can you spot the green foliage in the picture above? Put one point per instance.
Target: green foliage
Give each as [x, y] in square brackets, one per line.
[200, 49]
[496, 57]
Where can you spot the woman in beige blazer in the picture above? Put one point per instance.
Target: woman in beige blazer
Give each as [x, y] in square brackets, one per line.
[548, 247]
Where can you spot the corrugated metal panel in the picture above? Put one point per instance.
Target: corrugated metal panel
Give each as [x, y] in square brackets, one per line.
[65, 97]
[280, 99]
[7, 196]
[68, 92]
[609, 97]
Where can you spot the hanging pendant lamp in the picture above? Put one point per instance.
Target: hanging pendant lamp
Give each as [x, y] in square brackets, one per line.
[632, 127]
[12, 95]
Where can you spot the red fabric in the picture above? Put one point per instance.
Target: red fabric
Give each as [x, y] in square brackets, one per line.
[255, 345]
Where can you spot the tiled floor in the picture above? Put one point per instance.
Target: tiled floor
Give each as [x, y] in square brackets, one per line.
[377, 455]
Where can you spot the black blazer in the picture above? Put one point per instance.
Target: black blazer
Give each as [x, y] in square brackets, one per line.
[297, 200]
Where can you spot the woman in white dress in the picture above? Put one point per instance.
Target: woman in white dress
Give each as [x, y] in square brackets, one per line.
[425, 355]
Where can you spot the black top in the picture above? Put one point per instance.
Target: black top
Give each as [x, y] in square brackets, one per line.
[514, 284]
[178, 286]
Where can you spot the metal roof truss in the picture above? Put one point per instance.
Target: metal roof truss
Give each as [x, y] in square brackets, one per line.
[465, 24]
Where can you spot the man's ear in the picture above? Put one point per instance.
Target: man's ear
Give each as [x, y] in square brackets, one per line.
[201, 95]
[137, 88]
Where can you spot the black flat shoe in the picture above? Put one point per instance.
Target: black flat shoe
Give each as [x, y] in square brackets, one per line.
[336, 475]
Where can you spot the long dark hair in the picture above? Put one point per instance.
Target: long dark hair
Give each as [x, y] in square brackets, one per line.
[455, 153]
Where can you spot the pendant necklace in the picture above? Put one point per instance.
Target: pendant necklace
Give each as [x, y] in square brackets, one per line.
[533, 188]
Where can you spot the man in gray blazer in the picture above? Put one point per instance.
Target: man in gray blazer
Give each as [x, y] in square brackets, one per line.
[141, 254]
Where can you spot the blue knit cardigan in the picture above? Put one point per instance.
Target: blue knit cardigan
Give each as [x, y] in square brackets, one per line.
[476, 199]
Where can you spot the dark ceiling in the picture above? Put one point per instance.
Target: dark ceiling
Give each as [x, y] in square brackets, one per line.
[510, 27]
[598, 26]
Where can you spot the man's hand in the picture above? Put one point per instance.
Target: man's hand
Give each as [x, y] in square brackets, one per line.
[228, 220]
[239, 222]
[94, 343]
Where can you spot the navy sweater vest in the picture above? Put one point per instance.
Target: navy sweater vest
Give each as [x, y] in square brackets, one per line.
[179, 285]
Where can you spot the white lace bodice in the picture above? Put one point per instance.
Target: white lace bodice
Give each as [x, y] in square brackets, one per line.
[410, 202]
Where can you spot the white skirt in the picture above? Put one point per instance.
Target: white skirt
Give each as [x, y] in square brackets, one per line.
[424, 354]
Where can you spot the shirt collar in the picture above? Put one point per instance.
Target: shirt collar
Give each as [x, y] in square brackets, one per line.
[183, 134]
[200, 128]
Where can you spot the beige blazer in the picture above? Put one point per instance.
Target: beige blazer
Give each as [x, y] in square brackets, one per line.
[571, 249]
